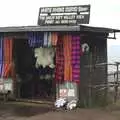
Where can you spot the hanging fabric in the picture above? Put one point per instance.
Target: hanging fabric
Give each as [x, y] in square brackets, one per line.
[67, 57]
[1, 53]
[54, 38]
[49, 39]
[36, 39]
[76, 52]
[45, 38]
[7, 57]
[59, 70]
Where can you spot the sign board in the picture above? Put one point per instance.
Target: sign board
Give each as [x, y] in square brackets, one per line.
[63, 92]
[6, 85]
[67, 93]
[65, 15]
[71, 93]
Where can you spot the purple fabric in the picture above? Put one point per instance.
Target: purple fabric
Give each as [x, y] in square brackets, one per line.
[35, 39]
[59, 69]
[76, 58]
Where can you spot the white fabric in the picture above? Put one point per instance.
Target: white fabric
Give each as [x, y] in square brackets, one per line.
[72, 104]
[60, 102]
[85, 47]
[45, 57]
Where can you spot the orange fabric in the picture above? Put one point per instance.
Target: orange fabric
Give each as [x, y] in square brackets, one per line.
[7, 64]
[67, 58]
[7, 70]
[54, 38]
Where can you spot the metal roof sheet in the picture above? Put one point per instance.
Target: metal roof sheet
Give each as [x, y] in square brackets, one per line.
[58, 28]
[39, 28]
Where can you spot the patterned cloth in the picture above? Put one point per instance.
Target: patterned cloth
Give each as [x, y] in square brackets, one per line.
[36, 39]
[59, 70]
[67, 58]
[39, 39]
[76, 52]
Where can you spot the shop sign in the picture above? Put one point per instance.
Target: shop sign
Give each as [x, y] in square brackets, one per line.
[6, 85]
[63, 92]
[67, 93]
[65, 15]
[71, 93]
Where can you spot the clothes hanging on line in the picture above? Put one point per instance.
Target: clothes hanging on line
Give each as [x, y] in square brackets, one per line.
[76, 52]
[54, 38]
[1, 53]
[68, 52]
[7, 57]
[42, 39]
[59, 69]
[35, 39]
[67, 57]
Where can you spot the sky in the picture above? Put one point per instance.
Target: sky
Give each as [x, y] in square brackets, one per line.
[104, 13]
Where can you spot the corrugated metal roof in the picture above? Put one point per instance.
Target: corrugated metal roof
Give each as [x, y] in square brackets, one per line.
[39, 28]
[98, 29]
[58, 28]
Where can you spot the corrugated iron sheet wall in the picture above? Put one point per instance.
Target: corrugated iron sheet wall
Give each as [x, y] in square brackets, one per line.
[90, 74]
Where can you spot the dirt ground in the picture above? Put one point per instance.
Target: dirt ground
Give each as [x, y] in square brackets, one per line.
[30, 111]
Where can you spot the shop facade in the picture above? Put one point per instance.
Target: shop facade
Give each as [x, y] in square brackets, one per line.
[52, 61]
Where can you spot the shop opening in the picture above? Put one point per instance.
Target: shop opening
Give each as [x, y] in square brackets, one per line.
[34, 66]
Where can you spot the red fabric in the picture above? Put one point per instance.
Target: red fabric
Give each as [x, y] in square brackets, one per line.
[59, 70]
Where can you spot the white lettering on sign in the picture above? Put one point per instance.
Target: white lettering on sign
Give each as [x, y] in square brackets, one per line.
[46, 10]
[77, 15]
[50, 17]
[49, 21]
[57, 22]
[80, 16]
[57, 10]
[58, 17]
[69, 17]
[82, 9]
[71, 9]
[64, 21]
[72, 21]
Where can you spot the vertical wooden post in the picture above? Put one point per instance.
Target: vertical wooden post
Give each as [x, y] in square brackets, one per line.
[116, 82]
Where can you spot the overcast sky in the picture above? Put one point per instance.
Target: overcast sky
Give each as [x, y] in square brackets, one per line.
[104, 13]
